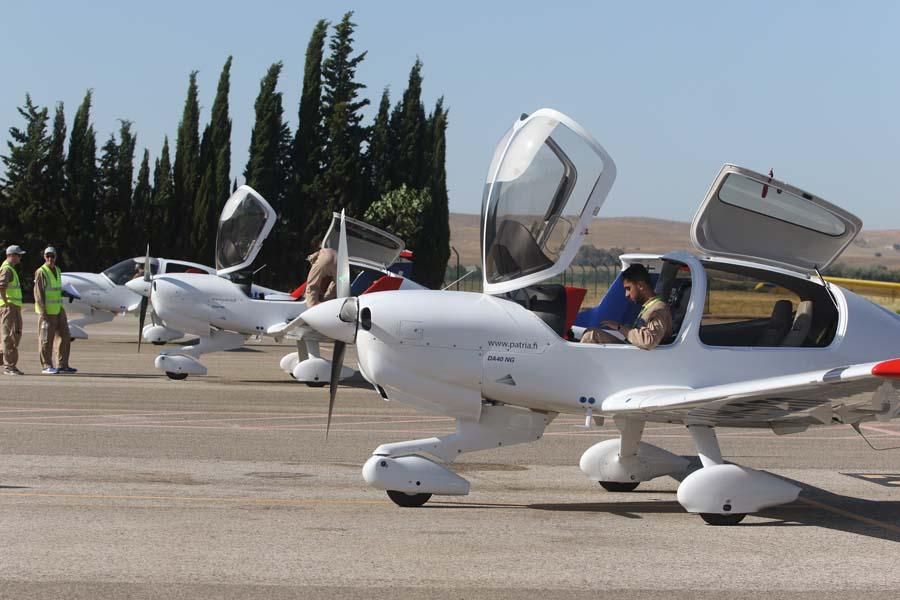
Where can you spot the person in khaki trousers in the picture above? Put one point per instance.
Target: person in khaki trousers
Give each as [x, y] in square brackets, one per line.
[10, 311]
[52, 322]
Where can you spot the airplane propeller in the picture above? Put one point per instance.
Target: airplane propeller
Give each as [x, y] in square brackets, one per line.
[342, 285]
[145, 300]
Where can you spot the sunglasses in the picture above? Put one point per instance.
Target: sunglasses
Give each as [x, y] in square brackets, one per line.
[49, 256]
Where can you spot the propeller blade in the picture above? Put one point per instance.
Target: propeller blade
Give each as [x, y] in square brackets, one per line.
[337, 362]
[147, 274]
[343, 263]
[142, 318]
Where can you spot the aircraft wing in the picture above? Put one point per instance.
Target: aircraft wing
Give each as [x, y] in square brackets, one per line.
[285, 328]
[787, 403]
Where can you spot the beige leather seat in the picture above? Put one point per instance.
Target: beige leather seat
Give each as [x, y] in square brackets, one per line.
[802, 324]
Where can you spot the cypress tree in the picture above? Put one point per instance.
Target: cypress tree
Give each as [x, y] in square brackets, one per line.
[81, 176]
[268, 166]
[342, 181]
[215, 182]
[124, 243]
[381, 149]
[25, 203]
[108, 214]
[432, 249]
[56, 177]
[186, 171]
[411, 165]
[161, 232]
[309, 146]
[140, 203]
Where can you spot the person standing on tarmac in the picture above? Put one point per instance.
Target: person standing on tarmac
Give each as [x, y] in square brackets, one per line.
[52, 321]
[10, 311]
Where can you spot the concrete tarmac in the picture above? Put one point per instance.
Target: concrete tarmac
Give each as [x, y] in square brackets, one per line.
[117, 482]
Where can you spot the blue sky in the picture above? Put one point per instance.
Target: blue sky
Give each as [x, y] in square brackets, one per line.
[672, 90]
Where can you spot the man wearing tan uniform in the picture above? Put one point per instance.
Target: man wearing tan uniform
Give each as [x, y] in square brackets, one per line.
[653, 324]
[52, 322]
[10, 311]
[320, 284]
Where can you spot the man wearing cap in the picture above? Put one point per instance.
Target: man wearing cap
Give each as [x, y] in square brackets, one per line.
[52, 321]
[10, 311]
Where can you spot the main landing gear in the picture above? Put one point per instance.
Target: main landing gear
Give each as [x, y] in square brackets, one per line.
[722, 494]
[178, 364]
[410, 479]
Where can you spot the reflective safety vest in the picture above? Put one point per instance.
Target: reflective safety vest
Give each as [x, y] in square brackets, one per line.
[13, 288]
[52, 291]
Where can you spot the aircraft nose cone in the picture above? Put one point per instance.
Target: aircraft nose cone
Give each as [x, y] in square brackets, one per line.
[326, 319]
[139, 286]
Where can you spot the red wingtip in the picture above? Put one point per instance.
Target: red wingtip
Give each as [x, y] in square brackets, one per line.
[888, 368]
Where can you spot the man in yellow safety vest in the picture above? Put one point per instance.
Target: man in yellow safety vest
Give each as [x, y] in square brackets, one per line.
[10, 311]
[52, 322]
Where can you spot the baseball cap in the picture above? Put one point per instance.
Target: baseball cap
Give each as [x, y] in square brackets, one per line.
[49, 250]
[14, 249]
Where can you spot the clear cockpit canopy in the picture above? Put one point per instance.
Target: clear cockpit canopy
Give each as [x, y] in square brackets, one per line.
[547, 180]
[128, 269]
[244, 224]
[366, 243]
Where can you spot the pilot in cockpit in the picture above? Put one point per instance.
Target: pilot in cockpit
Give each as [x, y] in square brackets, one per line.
[653, 323]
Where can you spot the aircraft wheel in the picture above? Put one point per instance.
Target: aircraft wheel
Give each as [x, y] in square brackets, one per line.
[408, 500]
[176, 376]
[619, 486]
[716, 519]
[315, 384]
[157, 343]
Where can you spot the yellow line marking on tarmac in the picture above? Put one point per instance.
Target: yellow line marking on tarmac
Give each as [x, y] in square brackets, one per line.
[850, 515]
[228, 499]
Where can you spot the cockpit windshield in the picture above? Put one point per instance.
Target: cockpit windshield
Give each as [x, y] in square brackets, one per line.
[245, 221]
[130, 268]
[535, 197]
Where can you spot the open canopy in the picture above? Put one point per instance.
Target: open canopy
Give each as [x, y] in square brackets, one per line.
[366, 244]
[546, 182]
[756, 217]
[244, 224]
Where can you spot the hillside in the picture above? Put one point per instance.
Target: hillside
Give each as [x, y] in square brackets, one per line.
[641, 234]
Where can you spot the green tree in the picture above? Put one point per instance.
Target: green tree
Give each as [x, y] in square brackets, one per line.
[216, 179]
[432, 248]
[381, 151]
[140, 203]
[81, 201]
[400, 212]
[341, 183]
[26, 213]
[161, 232]
[186, 171]
[309, 147]
[108, 215]
[411, 167]
[56, 177]
[268, 166]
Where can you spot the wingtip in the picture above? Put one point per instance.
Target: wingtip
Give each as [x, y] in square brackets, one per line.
[887, 368]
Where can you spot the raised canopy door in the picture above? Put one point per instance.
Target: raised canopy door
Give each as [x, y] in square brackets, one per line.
[756, 217]
[546, 182]
[366, 244]
[244, 224]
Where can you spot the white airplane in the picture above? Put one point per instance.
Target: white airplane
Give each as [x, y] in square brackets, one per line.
[224, 309]
[99, 297]
[499, 364]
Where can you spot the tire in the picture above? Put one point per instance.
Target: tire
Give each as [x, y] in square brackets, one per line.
[619, 486]
[158, 343]
[176, 376]
[408, 500]
[722, 520]
[315, 384]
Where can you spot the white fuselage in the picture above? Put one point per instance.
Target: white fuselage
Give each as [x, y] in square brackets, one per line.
[99, 293]
[444, 352]
[195, 302]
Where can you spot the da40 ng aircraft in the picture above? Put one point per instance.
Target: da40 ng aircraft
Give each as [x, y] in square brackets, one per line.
[499, 363]
[224, 312]
[101, 296]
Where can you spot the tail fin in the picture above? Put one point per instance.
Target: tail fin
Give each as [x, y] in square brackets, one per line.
[298, 291]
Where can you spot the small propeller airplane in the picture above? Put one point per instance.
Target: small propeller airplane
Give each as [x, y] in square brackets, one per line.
[223, 309]
[500, 362]
[99, 297]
